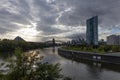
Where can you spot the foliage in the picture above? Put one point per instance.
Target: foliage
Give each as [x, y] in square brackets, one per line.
[97, 49]
[10, 45]
[116, 48]
[29, 67]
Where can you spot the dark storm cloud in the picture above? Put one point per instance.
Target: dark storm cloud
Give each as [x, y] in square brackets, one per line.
[13, 12]
[48, 30]
[47, 15]
[5, 24]
[107, 10]
[76, 36]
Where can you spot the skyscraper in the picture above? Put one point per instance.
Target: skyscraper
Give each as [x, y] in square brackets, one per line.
[92, 31]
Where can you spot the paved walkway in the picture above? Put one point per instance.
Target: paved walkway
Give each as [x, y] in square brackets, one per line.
[115, 54]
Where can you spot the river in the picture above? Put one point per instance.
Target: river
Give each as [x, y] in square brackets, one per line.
[82, 70]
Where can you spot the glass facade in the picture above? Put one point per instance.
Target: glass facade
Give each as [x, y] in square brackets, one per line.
[92, 31]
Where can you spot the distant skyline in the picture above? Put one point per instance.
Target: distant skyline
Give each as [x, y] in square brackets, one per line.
[39, 20]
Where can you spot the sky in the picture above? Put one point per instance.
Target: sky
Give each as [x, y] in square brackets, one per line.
[42, 20]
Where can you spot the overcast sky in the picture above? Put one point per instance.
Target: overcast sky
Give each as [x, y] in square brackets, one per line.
[39, 20]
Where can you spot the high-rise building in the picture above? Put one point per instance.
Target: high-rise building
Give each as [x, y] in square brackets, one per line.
[92, 31]
[113, 40]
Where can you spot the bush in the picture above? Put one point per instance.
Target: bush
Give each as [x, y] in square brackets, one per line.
[10, 45]
[30, 68]
[116, 48]
[98, 49]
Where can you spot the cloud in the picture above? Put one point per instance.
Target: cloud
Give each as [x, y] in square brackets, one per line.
[49, 15]
[11, 12]
[76, 36]
[107, 10]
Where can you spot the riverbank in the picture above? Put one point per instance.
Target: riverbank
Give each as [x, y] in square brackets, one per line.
[107, 58]
[81, 68]
[102, 49]
[11, 45]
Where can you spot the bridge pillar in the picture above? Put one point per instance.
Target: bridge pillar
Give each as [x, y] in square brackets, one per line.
[53, 41]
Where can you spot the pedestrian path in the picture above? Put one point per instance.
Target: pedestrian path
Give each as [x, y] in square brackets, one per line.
[115, 54]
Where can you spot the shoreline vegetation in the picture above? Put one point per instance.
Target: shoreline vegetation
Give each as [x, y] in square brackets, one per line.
[102, 49]
[10, 45]
[30, 67]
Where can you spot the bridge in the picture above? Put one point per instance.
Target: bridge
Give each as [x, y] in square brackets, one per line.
[50, 43]
[56, 41]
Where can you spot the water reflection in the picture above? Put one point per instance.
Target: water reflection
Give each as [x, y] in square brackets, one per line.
[94, 72]
[53, 49]
[82, 69]
[97, 64]
[5, 56]
[78, 69]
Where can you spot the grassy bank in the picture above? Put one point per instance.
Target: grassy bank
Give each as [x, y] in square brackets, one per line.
[98, 49]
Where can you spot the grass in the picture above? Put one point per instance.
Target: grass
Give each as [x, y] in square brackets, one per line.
[100, 49]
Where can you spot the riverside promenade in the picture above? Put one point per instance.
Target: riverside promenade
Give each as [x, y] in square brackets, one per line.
[114, 54]
[107, 58]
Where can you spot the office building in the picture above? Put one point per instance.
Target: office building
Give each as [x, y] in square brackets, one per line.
[92, 31]
[113, 40]
[119, 39]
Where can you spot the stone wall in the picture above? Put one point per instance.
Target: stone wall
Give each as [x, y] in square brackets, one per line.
[89, 56]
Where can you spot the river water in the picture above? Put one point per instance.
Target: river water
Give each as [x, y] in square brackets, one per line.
[80, 70]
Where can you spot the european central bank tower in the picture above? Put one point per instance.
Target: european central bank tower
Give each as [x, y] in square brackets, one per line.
[92, 31]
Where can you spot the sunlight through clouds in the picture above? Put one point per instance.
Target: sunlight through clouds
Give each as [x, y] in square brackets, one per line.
[33, 18]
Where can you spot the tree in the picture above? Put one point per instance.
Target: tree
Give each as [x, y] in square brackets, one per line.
[116, 48]
[29, 67]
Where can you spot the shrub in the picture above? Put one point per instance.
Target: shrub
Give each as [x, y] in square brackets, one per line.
[30, 68]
